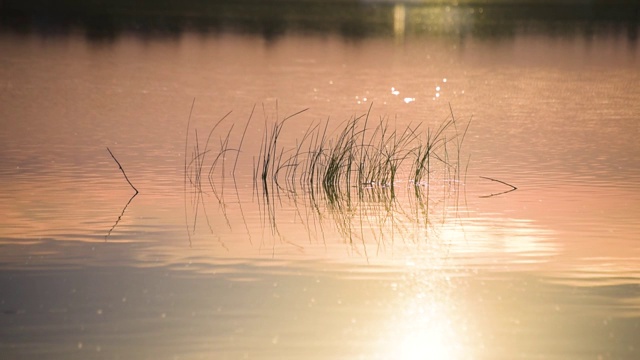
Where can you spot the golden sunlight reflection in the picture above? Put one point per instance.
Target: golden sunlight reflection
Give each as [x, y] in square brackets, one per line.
[514, 237]
[426, 326]
[399, 21]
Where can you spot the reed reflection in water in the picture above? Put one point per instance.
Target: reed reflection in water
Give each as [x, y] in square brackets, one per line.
[353, 171]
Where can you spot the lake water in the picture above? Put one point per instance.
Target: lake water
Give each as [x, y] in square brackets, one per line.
[222, 267]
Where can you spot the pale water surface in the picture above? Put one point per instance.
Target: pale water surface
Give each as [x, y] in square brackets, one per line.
[551, 270]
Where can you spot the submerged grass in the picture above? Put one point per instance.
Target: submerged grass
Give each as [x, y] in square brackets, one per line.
[348, 175]
[355, 156]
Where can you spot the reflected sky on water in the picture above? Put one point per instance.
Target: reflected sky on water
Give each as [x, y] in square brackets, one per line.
[458, 269]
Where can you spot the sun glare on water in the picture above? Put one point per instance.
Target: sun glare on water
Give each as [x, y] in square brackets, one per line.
[426, 327]
[426, 332]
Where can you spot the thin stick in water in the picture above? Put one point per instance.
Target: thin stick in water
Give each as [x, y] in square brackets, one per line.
[500, 181]
[513, 188]
[121, 169]
[106, 237]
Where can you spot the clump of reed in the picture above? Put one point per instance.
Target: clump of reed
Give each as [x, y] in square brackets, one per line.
[361, 153]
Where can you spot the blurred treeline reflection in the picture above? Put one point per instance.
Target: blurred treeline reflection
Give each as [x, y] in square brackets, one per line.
[107, 19]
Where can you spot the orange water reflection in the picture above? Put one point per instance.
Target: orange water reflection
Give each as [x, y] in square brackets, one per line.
[549, 269]
[454, 282]
[479, 233]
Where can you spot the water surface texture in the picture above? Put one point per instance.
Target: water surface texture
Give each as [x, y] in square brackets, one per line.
[208, 261]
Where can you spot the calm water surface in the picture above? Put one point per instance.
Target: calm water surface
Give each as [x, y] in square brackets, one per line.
[454, 271]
